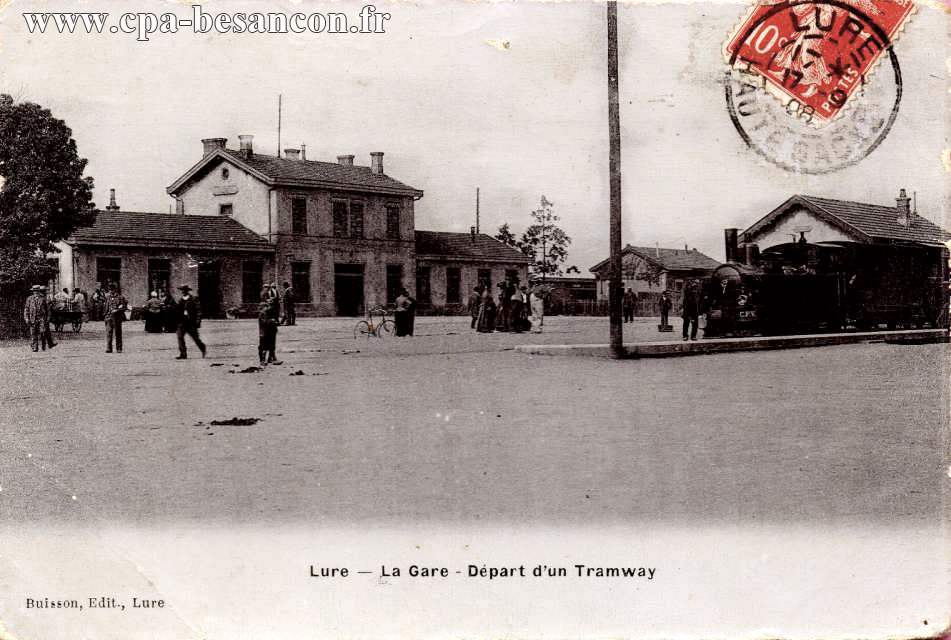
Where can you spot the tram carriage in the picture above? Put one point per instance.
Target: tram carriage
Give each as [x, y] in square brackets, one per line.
[799, 287]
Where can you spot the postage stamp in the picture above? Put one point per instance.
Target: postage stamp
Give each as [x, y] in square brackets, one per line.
[801, 86]
[816, 54]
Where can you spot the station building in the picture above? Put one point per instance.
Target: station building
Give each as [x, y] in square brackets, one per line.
[342, 234]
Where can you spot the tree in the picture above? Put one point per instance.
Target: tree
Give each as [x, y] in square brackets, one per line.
[506, 236]
[545, 242]
[651, 274]
[638, 268]
[44, 195]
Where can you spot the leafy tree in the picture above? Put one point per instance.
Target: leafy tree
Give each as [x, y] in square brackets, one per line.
[545, 242]
[651, 274]
[638, 268]
[44, 196]
[506, 236]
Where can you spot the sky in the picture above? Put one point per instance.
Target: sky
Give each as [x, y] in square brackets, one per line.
[454, 109]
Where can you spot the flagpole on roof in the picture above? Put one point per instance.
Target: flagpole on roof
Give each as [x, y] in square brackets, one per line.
[279, 105]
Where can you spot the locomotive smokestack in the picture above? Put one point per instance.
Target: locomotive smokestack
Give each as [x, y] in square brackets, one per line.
[730, 241]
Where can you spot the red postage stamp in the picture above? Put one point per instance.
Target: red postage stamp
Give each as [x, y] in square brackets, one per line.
[816, 53]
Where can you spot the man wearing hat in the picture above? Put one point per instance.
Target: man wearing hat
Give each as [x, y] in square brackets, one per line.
[115, 306]
[188, 314]
[35, 314]
[46, 337]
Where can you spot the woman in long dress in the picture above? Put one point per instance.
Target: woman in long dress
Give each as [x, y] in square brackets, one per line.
[401, 317]
[153, 314]
[486, 320]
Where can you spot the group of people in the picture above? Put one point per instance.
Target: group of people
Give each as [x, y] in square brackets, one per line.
[112, 307]
[691, 311]
[517, 310]
[66, 301]
[283, 301]
[184, 314]
[159, 313]
[277, 307]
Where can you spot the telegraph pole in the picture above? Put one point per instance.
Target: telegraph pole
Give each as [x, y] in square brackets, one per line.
[614, 132]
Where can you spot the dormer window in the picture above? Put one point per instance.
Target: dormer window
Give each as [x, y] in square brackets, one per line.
[225, 173]
[225, 209]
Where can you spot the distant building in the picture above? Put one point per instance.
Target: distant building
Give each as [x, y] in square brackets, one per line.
[650, 271]
[571, 295]
[342, 234]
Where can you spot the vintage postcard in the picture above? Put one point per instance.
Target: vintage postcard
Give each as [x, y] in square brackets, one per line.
[465, 319]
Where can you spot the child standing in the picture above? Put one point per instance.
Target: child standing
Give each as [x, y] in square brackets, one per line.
[267, 333]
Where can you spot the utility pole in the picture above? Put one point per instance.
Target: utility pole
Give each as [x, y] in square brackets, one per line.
[614, 133]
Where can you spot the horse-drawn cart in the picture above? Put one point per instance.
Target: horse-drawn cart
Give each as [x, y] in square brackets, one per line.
[59, 318]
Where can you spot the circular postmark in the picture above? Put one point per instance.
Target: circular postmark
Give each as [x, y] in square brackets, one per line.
[800, 87]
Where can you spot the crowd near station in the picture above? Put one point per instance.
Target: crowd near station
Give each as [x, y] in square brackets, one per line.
[517, 310]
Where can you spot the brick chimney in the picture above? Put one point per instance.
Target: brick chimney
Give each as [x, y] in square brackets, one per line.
[292, 154]
[303, 151]
[246, 143]
[904, 208]
[346, 161]
[112, 201]
[212, 144]
[376, 162]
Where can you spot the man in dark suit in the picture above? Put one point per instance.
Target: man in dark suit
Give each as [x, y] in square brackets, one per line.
[188, 315]
[34, 314]
[290, 313]
[628, 304]
[691, 309]
[115, 306]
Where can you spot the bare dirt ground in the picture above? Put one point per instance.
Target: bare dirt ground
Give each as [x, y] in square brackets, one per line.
[454, 427]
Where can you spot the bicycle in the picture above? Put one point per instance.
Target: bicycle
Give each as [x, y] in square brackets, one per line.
[385, 327]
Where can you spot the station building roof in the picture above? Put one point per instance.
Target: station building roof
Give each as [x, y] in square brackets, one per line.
[287, 172]
[865, 222]
[667, 259]
[165, 230]
[473, 247]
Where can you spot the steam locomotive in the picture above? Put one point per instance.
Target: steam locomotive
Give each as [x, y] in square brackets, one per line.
[801, 287]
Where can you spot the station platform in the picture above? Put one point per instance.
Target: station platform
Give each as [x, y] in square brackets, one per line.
[677, 348]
